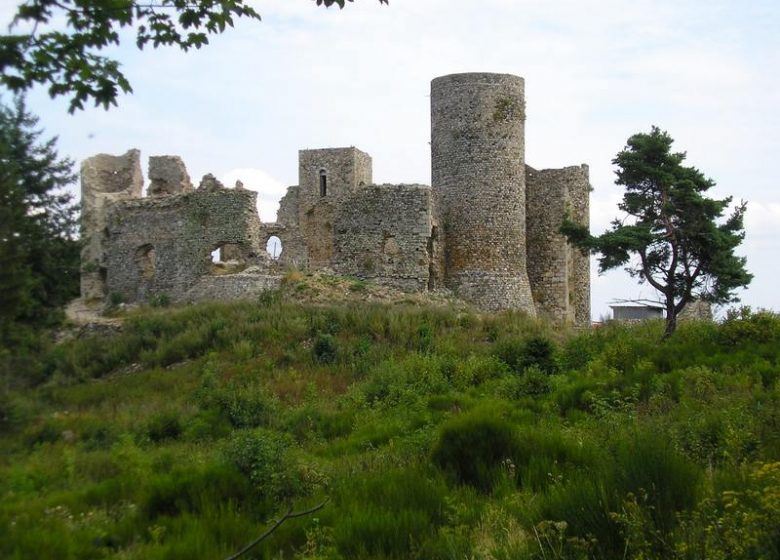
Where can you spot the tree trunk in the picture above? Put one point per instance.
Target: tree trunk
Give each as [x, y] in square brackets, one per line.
[671, 318]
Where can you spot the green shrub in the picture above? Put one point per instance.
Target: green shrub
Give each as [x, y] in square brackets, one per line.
[520, 354]
[647, 463]
[325, 349]
[245, 406]
[164, 425]
[474, 447]
[160, 300]
[188, 489]
[532, 383]
[262, 456]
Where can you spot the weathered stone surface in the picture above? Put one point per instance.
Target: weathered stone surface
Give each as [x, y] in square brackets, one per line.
[209, 183]
[163, 245]
[168, 175]
[559, 274]
[478, 175]
[696, 310]
[105, 179]
[382, 234]
[245, 285]
[487, 228]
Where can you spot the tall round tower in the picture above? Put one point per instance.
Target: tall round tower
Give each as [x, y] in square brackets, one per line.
[478, 180]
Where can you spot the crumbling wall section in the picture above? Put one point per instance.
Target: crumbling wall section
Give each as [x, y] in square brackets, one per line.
[163, 245]
[105, 180]
[383, 234]
[168, 175]
[559, 274]
[287, 229]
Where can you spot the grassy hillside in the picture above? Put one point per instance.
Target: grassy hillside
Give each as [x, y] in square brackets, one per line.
[433, 433]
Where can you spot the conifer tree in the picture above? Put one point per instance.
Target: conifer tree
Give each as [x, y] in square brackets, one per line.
[670, 236]
[39, 253]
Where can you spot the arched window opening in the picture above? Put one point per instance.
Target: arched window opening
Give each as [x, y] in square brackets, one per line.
[274, 247]
[323, 182]
[145, 261]
[227, 258]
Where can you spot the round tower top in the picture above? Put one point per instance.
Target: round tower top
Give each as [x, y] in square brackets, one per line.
[477, 78]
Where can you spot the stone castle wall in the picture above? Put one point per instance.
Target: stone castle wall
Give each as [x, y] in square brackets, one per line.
[164, 245]
[559, 274]
[478, 174]
[487, 228]
[105, 180]
[383, 233]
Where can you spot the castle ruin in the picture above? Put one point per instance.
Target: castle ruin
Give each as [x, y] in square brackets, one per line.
[486, 228]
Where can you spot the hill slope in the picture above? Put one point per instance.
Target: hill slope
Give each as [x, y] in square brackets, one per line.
[433, 432]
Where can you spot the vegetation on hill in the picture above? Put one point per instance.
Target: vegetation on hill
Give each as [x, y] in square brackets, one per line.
[434, 433]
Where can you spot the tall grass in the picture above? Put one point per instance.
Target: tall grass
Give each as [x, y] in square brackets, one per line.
[435, 433]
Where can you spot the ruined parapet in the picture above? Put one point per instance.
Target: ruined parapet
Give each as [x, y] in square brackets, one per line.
[478, 178]
[559, 273]
[167, 176]
[383, 234]
[105, 179]
[325, 177]
[209, 183]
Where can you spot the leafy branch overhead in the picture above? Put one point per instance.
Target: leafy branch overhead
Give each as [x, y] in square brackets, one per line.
[62, 40]
[670, 236]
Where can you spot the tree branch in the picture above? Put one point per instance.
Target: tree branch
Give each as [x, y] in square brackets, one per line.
[289, 515]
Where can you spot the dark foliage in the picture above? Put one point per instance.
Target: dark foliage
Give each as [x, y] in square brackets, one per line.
[38, 250]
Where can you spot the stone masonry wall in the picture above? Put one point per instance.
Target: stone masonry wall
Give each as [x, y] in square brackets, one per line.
[487, 227]
[383, 235]
[163, 245]
[105, 180]
[478, 175]
[287, 228]
[579, 277]
[559, 284]
[345, 170]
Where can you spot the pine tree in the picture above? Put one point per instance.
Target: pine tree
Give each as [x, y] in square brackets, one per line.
[39, 253]
[670, 236]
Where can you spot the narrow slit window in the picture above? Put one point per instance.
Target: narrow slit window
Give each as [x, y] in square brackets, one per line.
[323, 183]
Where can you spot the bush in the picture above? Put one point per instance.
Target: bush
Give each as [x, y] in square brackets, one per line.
[164, 425]
[325, 349]
[245, 406]
[474, 447]
[188, 490]
[532, 383]
[262, 456]
[520, 354]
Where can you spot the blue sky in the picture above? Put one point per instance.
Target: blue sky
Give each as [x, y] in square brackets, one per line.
[596, 72]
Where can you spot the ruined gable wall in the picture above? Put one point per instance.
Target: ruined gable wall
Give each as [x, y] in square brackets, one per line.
[559, 274]
[162, 245]
[383, 235]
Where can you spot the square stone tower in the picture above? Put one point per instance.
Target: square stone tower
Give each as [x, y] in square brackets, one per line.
[325, 177]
